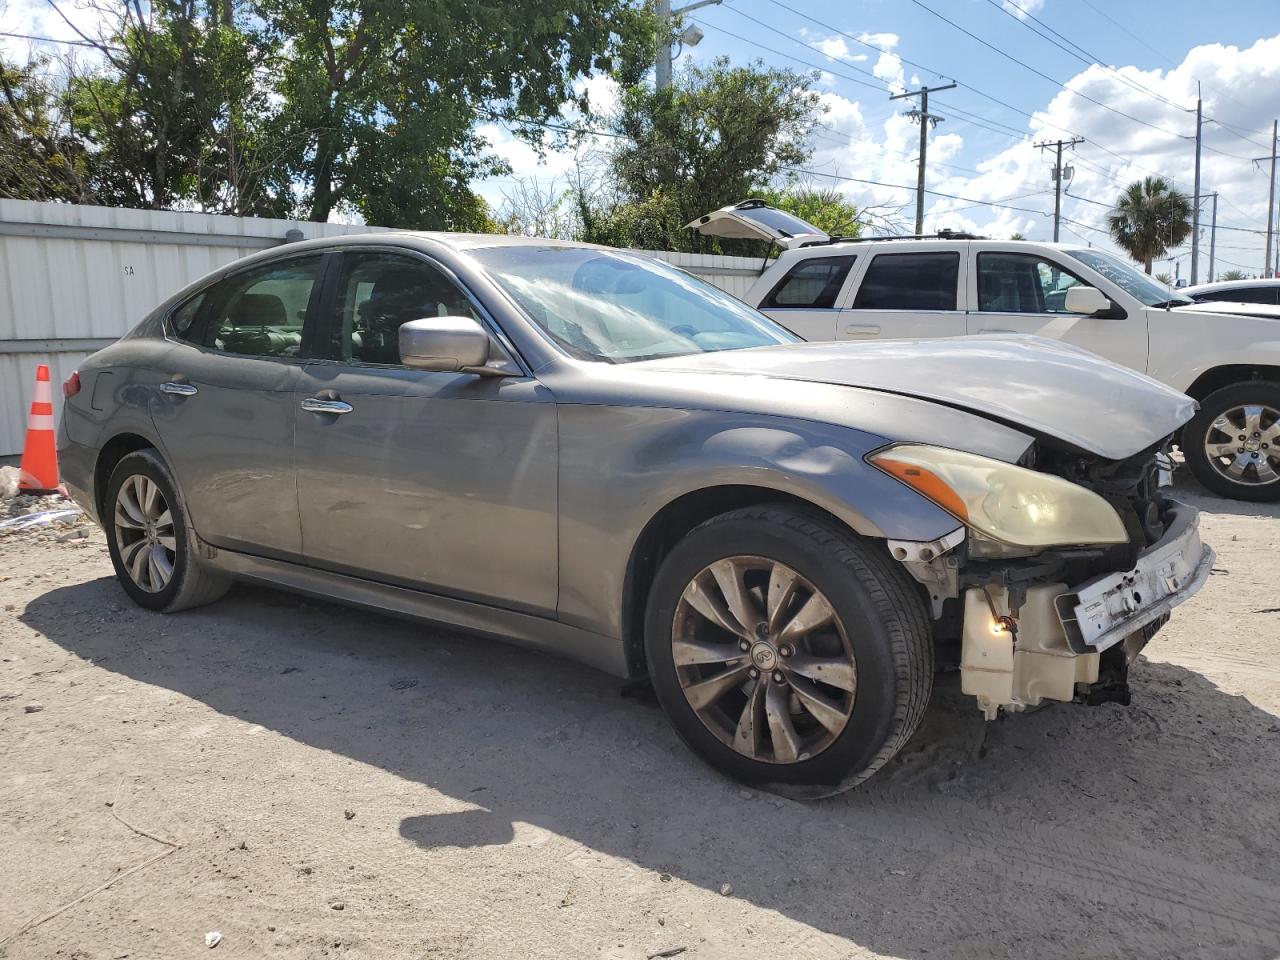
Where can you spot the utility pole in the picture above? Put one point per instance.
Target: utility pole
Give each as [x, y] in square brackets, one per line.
[1267, 270]
[926, 119]
[1213, 233]
[1057, 178]
[690, 37]
[1195, 207]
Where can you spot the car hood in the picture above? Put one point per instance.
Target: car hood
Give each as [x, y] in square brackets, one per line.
[1041, 386]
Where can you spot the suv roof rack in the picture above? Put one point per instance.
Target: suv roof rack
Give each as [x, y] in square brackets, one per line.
[940, 235]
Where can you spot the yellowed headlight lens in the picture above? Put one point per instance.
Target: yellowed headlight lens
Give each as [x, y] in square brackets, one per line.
[1011, 504]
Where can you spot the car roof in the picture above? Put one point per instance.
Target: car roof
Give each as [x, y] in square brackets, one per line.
[1232, 285]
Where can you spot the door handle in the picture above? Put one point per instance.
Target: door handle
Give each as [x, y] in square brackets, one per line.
[335, 407]
[862, 329]
[179, 389]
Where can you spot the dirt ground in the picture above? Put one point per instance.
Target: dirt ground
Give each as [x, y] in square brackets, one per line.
[311, 781]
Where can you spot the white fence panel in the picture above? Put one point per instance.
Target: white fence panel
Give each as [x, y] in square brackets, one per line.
[75, 278]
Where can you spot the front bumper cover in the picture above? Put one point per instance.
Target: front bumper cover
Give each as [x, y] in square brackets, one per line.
[1105, 610]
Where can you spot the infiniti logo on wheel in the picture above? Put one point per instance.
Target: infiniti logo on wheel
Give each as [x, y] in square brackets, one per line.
[763, 656]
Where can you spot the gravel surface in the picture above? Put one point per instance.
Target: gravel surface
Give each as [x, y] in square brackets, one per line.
[286, 778]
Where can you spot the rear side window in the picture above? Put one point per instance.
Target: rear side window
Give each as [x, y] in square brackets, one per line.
[813, 283]
[260, 312]
[910, 281]
[1242, 295]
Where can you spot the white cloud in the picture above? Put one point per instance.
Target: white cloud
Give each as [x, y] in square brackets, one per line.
[1021, 8]
[885, 41]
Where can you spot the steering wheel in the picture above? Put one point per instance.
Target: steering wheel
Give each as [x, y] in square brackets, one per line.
[685, 330]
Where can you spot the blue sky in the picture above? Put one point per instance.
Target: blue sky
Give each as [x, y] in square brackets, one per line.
[985, 151]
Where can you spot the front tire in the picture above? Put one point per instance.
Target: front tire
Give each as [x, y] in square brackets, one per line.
[787, 652]
[1232, 444]
[150, 538]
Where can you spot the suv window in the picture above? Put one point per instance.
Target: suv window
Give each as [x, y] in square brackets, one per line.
[378, 292]
[910, 281]
[813, 283]
[260, 312]
[1023, 283]
[1241, 295]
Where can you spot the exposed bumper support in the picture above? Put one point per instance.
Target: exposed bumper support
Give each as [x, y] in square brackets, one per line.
[1047, 656]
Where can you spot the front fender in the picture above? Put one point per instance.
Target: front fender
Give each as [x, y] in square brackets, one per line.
[619, 467]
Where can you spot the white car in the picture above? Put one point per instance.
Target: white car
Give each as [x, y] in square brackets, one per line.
[828, 288]
[1263, 291]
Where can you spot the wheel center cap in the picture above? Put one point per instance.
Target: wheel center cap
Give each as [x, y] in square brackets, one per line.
[764, 656]
[1253, 445]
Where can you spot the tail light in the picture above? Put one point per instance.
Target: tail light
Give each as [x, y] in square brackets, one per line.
[71, 386]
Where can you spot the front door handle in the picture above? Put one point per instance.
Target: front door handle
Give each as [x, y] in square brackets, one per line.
[862, 329]
[336, 407]
[179, 389]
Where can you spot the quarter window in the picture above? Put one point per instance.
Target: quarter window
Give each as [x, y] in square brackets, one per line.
[182, 320]
[812, 283]
[1023, 283]
[377, 293]
[910, 281]
[260, 312]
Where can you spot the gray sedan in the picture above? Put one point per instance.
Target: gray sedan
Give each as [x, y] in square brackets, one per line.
[589, 452]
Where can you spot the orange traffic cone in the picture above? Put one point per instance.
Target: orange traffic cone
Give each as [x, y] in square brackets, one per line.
[39, 469]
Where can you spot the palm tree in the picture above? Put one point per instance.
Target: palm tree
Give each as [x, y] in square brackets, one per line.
[1232, 275]
[1149, 219]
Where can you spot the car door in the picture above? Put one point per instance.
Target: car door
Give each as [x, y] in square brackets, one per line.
[1019, 291]
[439, 481]
[225, 414]
[907, 294]
[806, 299]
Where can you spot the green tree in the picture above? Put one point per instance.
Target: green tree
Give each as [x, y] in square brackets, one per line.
[718, 135]
[381, 97]
[175, 114]
[1232, 275]
[1165, 279]
[40, 158]
[1149, 219]
[1017, 236]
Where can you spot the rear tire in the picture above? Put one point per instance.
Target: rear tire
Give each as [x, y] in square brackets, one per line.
[1232, 444]
[149, 536]
[828, 705]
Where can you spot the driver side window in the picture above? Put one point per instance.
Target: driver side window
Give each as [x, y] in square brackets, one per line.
[377, 293]
[1022, 283]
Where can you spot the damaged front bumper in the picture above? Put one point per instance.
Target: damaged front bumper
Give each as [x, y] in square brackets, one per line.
[1044, 639]
[1074, 643]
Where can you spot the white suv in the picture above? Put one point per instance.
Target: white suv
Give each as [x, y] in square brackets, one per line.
[828, 288]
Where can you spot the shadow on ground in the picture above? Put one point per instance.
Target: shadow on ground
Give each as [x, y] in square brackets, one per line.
[1142, 832]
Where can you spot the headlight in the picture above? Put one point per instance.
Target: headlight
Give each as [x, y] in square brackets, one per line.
[1013, 505]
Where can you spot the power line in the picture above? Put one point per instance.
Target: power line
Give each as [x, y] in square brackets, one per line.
[1084, 56]
[986, 96]
[1040, 73]
[72, 43]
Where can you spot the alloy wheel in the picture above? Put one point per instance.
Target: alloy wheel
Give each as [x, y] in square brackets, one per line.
[1243, 444]
[763, 659]
[144, 533]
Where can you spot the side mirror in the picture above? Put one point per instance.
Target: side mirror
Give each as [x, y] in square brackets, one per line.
[444, 343]
[1086, 300]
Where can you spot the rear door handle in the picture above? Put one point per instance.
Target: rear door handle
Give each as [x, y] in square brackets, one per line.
[862, 329]
[179, 389]
[336, 407]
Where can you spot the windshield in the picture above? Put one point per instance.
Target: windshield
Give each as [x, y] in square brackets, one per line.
[617, 307]
[1134, 282]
